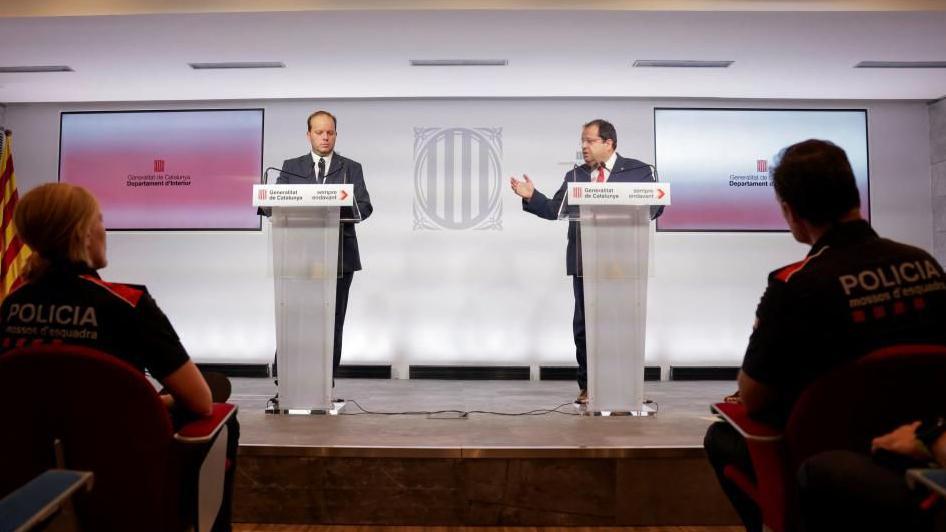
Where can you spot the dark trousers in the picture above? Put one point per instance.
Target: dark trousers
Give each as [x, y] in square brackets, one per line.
[578, 330]
[341, 307]
[342, 287]
[724, 446]
[845, 490]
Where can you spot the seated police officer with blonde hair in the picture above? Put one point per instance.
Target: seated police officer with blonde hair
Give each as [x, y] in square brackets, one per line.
[63, 226]
[61, 289]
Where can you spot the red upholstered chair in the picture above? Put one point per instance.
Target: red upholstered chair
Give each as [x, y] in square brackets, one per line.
[844, 409]
[68, 406]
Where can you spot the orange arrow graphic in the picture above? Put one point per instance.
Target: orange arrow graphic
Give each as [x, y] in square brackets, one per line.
[660, 193]
[344, 195]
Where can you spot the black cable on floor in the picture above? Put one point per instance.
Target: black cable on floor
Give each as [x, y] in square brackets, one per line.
[274, 401]
[460, 413]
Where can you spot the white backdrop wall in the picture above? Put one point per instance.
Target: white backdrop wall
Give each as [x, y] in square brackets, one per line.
[493, 296]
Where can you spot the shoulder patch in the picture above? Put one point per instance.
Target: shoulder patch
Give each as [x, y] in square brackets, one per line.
[124, 292]
[785, 273]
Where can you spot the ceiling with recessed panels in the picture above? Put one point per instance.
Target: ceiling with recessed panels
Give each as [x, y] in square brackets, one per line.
[366, 53]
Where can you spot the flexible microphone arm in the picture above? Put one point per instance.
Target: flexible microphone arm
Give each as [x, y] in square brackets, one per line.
[354, 200]
[266, 174]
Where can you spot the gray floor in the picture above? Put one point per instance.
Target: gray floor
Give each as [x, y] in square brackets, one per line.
[680, 423]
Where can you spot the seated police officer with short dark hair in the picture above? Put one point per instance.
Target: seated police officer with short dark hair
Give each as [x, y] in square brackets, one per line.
[853, 293]
[63, 299]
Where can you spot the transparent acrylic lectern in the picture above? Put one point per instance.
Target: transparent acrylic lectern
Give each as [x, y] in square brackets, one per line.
[305, 236]
[615, 240]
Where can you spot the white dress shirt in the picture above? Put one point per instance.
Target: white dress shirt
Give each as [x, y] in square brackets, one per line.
[315, 161]
[608, 166]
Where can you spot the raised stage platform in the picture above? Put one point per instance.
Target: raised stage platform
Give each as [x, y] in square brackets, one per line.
[554, 468]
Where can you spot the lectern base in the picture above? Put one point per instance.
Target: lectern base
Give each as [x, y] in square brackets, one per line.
[336, 409]
[646, 410]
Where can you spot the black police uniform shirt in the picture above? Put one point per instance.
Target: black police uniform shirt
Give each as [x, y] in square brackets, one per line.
[72, 304]
[853, 293]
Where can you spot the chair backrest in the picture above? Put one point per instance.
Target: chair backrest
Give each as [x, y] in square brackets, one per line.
[108, 419]
[848, 407]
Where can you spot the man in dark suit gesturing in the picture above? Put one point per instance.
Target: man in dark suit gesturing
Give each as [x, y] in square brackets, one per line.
[602, 163]
[324, 165]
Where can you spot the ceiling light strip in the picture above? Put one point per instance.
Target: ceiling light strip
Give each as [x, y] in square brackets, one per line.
[237, 65]
[901, 64]
[34, 69]
[458, 62]
[680, 63]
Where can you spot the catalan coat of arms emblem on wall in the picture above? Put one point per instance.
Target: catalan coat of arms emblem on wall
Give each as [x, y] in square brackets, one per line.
[458, 178]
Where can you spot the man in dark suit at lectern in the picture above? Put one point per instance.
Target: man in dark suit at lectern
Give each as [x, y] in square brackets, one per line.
[324, 165]
[599, 142]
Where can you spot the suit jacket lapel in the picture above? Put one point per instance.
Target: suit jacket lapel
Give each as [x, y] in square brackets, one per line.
[619, 164]
[622, 165]
[584, 176]
[334, 168]
[308, 165]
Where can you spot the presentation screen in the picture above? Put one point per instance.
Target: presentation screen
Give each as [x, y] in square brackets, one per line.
[166, 170]
[718, 162]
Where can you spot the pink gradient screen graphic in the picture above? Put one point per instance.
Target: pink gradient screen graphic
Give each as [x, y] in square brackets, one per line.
[166, 169]
[719, 162]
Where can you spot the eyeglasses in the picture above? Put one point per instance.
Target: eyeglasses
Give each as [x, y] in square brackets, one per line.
[591, 141]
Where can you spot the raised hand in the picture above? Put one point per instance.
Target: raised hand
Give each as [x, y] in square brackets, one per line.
[524, 188]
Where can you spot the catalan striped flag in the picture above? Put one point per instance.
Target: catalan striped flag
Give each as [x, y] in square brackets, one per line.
[14, 252]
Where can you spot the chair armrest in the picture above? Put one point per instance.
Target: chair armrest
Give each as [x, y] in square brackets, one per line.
[773, 480]
[735, 414]
[934, 479]
[206, 428]
[203, 445]
[40, 498]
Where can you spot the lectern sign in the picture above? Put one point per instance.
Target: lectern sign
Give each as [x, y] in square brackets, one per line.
[303, 195]
[619, 194]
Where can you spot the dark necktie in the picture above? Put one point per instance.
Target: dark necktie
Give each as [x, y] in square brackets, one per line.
[321, 178]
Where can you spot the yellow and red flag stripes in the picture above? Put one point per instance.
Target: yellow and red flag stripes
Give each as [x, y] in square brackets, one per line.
[14, 252]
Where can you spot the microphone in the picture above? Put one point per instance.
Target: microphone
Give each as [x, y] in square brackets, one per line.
[266, 174]
[653, 169]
